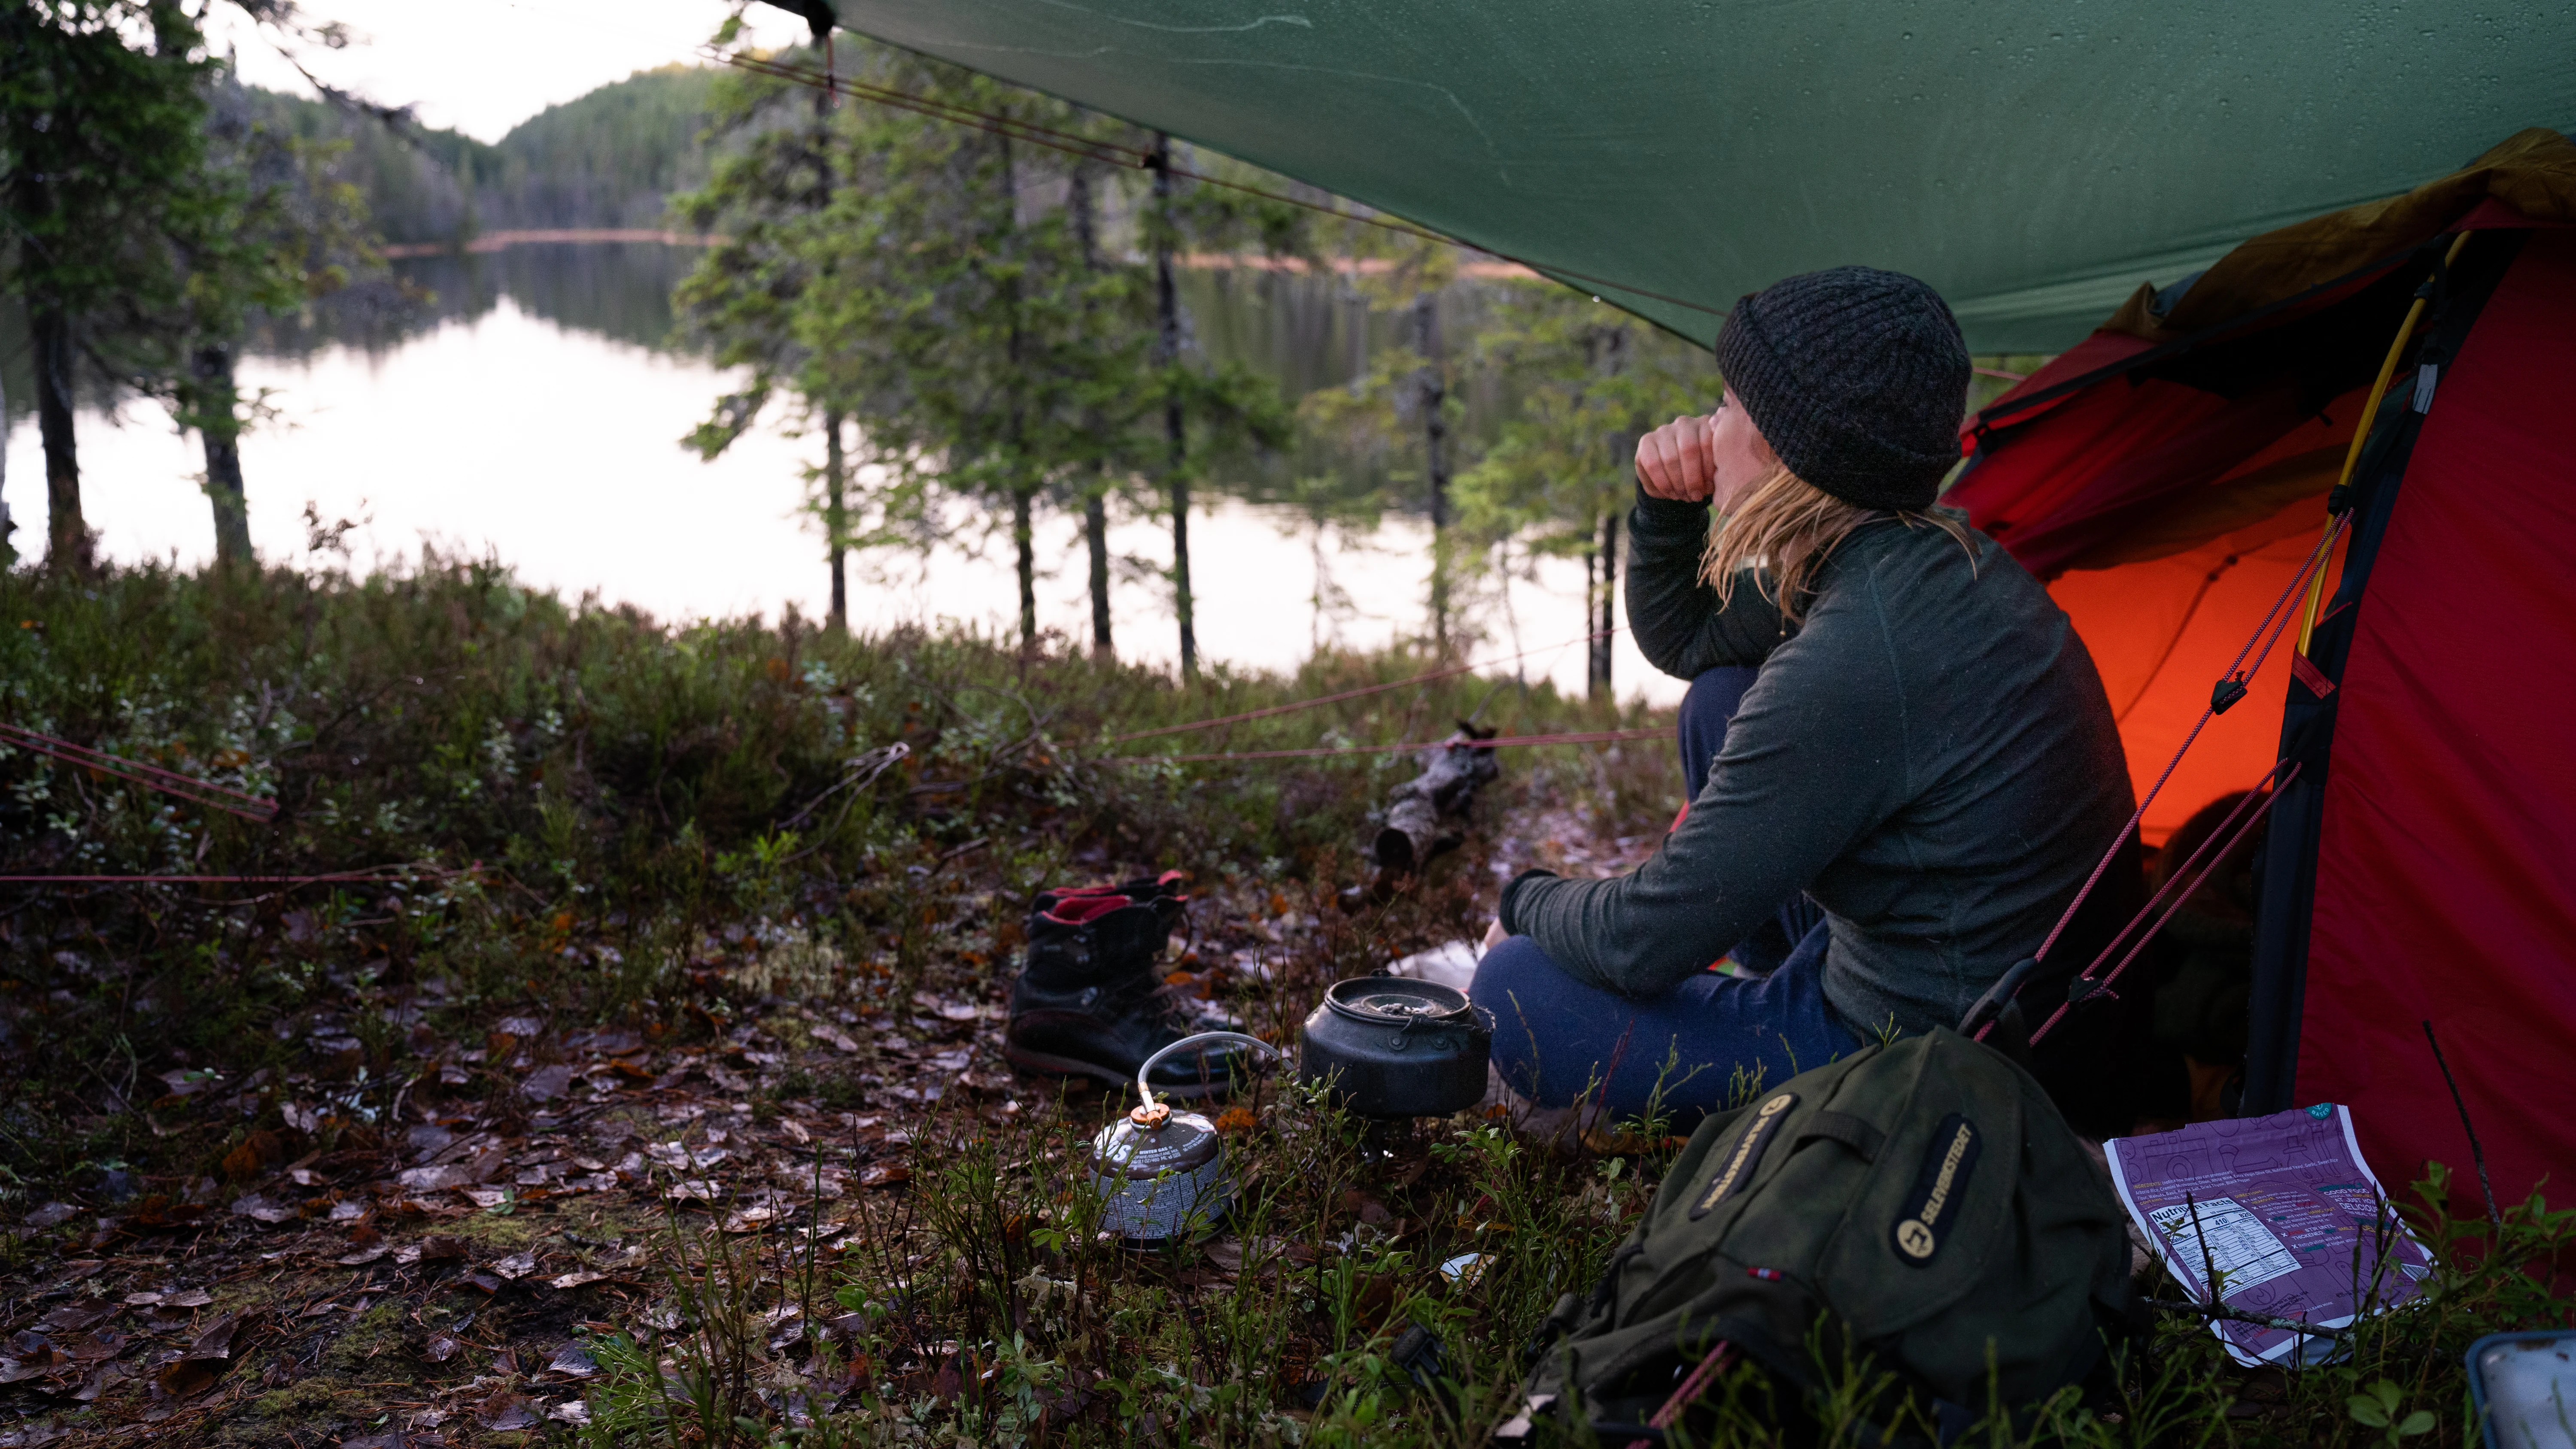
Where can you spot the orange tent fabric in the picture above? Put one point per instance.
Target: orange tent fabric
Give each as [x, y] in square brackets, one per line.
[2167, 476]
[2162, 630]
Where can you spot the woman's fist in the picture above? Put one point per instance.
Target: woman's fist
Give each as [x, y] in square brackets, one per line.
[1677, 460]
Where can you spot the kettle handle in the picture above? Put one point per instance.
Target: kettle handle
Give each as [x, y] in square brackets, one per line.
[1204, 1038]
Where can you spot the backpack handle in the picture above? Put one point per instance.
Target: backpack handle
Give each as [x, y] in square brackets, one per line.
[1856, 1133]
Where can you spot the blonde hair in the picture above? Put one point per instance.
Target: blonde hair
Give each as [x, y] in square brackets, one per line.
[1787, 527]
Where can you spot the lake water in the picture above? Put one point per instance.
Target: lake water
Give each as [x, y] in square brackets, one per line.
[533, 413]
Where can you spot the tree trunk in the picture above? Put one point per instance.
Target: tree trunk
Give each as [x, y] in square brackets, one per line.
[1024, 537]
[1608, 359]
[8, 526]
[68, 545]
[1095, 498]
[1095, 532]
[1167, 354]
[1591, 581]
[1432, 395]
[836, 522]
[218, 403]
[836, 466]
[1023, 492]
[1605, 617]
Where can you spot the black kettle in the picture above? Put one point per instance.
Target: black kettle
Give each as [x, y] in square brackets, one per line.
[1386, 1046]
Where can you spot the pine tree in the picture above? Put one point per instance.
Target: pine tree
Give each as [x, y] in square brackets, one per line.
[770, 193]
[958, 296]
[1400, 417]
[102, 149]
[1589, 381]
[1233, 408]
[274, 229]
[156, 216]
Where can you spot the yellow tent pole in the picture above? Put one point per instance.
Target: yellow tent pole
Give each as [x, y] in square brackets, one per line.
[2361, 434]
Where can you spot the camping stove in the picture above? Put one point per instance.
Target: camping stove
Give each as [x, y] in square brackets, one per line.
[1162, 1172]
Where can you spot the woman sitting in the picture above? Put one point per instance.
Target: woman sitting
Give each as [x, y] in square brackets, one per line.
[1921, 746]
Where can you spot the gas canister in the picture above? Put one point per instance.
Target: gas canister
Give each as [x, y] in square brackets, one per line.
[1161, 1172]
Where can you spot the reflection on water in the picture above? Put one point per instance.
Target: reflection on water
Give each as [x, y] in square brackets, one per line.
[617, 290]
[1306, 332]
[533, 410]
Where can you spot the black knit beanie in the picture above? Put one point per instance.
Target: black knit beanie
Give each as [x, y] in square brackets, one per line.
[1857, 378]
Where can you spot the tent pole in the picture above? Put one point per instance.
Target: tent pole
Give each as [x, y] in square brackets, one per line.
[2361, 433]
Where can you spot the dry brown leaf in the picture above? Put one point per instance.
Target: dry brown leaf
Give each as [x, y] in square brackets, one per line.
[441, 1348]
[263, 1210]
[217, 1339]
[205, 1361]
[548, 1082]
[505, 1411]
[76, 1317]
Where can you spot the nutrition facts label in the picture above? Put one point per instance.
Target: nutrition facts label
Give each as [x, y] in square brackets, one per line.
[2230, 1238]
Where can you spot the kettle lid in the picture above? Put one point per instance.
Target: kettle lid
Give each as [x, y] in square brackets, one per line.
[1397, 1001]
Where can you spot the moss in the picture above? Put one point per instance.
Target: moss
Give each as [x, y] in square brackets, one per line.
[309, 1407]
[515, 1229]
[297, 1401]
[377, 1331]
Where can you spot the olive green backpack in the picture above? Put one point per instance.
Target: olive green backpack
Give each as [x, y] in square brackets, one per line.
[1920, 1203]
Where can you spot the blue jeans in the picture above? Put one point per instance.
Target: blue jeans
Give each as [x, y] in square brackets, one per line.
[1698, 1047]
[1704, 1045]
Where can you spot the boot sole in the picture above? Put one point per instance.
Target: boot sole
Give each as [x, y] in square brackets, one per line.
[1049, 1064]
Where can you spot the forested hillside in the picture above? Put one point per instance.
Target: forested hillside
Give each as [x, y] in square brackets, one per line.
[611, 158]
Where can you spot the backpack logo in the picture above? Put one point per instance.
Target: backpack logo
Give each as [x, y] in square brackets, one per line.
[1944, 1178]
[1747, 1155]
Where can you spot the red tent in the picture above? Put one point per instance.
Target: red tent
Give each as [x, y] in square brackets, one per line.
[2170, 476]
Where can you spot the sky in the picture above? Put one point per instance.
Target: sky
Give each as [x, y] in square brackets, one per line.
[483, 66]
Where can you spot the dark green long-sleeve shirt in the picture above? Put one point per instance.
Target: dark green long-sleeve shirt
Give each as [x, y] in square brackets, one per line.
[1928, 754]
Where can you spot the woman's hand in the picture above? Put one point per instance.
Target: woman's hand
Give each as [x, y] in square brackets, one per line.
[1677, 460]
[1495, 935]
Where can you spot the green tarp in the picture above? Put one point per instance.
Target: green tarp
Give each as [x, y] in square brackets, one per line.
[2033, 159]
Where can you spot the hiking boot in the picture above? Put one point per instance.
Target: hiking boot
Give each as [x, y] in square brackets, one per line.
[1091, 931]
[1090, 1000]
